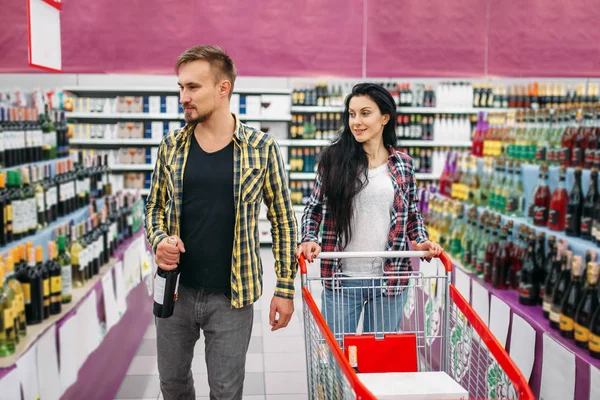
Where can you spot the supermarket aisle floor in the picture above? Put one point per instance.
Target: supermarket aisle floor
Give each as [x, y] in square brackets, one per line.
[275, 367]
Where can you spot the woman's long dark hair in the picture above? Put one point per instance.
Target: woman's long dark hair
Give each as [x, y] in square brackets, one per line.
[343, 165]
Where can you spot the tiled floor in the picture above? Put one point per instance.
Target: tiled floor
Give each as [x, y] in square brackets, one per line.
[275, 366]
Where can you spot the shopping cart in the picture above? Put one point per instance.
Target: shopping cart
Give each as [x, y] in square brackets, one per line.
[439, 331]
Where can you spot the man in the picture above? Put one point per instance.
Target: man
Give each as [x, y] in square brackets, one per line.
[207, 187]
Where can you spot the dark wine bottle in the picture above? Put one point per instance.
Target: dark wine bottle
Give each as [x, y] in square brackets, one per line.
[560, 289]
[552, 275]
[166, 285]
[594, 343]
[587, 306]
[589, 207]
[571, 300]
[574, 207]
[529, 285]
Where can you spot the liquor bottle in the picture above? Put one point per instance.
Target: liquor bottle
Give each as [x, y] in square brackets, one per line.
[544, 261]
[78, 274]
[11, 280]
[587, 307]
[490, 252]
[516, 194]
[574, 207]
[104, 229]
[40, 197]
[51, 195]
[571, 300]
[64, 261]
[501, 263]
[560, 289]
[529, 286]
[539, 207]
[558, 203]
[4, 205]
[457, 229]
[7, 332]
[589, 206]
[517, 257]
[10, 290]
[35, 310]
[482, 245]
[166, 285]
[55, 279]
[43, 269]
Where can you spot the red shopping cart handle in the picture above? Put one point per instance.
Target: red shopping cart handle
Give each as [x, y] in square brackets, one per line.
[374, 254]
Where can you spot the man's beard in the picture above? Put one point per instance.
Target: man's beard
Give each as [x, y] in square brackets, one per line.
[199, 119]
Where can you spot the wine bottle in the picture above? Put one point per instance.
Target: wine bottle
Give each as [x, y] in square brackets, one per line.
[529, 285]
[571, 300]
[587, 306]
[589, 206]
[574, 207]
[594, 343]
[552, 275]
[166, 285]
[560, 289]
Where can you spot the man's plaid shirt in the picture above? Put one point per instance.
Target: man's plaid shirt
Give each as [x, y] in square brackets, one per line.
[259, 174]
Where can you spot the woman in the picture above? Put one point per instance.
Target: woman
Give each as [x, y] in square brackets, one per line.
[365, 196]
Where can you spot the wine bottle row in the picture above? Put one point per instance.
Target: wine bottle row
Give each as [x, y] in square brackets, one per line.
[569, 138]
[34, 287]
[548, 276]
[35, 196]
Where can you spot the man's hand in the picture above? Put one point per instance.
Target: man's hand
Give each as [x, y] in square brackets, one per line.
[285, 309]
[432, 249]
[167, 252]
[310, 250]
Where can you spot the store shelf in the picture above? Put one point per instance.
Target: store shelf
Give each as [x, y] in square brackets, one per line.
[132, 168]
[449, 110]
[435, 143]
[316, 109]
[78, 294]
[299, 176]
[143, 192]
[254, 118]
[427, 176]
[532, 314]
[91, 91]
[303, 142]
[103, 143]
[93, 116]
[35, 164]
[406, 110]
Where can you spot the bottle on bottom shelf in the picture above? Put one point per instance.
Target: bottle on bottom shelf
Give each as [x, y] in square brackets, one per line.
[571, 300]
[587, 307]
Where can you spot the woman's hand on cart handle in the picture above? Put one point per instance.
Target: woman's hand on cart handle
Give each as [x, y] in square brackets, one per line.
[432, 249]
[310, 250]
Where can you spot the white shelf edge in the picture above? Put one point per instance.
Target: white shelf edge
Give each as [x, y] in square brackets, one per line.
[433, 143]
[143, 192]
[408, 110]
[162, 116]
[173, 91]
[302, 175]
[132, 167]
[316, 109]
[303, 142]
[424, 176]
[116, 142]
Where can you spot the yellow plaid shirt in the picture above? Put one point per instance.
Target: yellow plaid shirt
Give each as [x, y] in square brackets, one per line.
[259, 174]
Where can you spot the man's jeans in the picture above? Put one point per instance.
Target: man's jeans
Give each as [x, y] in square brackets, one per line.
[342, 307]
[227, 334]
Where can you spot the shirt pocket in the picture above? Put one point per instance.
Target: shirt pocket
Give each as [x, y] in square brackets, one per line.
[252, 180]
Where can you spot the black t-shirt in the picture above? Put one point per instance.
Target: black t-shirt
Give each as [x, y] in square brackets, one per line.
[207, 219]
